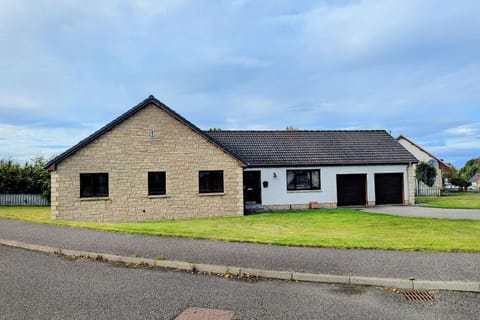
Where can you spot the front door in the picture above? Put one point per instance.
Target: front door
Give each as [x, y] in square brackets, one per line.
[252, 189]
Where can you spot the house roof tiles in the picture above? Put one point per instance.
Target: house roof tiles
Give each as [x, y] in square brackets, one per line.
[306, 148]
[475, 177]
[281, 148]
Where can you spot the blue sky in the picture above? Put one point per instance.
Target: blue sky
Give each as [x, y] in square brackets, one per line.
[410, 67]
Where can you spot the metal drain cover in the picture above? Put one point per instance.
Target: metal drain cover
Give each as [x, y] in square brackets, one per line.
[205, 314]
[418, 295]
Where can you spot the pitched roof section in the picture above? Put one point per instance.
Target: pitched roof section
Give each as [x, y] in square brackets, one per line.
[475, 177]
[313, 148]
[51, 165]
[441, 164]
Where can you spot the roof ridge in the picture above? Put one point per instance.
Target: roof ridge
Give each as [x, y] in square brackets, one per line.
[307, 130]
[109, 126]
[440, 161]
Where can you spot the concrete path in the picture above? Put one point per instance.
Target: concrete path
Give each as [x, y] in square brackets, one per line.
[369, 263]
[424, 212]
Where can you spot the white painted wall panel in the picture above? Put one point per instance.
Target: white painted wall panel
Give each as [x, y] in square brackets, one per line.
[276, 193]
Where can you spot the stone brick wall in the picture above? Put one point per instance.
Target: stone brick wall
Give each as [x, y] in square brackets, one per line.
[411, 184]
[127, 154]
[288, 207]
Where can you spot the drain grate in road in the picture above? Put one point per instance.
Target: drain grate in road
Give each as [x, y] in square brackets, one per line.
[418, 295]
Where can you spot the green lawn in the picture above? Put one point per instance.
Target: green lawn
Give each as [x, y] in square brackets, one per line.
[340, 228]
[464, 200]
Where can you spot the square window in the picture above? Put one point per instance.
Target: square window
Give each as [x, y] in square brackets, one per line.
[156, 183]
[303, 179]
[93, 185]
[210, 181]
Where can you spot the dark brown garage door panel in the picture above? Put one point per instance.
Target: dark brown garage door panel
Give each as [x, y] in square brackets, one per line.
[351, 189]
[389, 188]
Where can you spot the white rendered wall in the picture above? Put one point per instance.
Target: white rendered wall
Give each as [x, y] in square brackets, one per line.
[276, 193]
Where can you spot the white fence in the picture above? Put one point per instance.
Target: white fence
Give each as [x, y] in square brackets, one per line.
[22, 200]
[421, 189]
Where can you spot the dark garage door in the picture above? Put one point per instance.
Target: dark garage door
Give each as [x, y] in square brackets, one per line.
[389, 188]
[351, 189]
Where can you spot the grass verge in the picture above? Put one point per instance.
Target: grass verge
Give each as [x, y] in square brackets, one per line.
[464, 200]
[339, 228]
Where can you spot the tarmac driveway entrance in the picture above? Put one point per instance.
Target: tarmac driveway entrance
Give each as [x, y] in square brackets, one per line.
[423, 212]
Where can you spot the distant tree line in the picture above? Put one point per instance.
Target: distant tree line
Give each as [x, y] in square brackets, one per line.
[460, 178]
[29, 178]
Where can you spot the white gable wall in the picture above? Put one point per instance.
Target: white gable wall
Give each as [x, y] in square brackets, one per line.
[276, 193]
[425, 157]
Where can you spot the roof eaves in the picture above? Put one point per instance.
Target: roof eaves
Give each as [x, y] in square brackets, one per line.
[441, 163]
[51, 165]
[198, 130]
[475, 177]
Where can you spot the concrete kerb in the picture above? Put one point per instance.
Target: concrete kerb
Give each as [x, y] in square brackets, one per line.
[468, 286]
[383, 282]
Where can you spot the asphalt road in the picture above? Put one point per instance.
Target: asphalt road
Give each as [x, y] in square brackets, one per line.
[37, 286]
[372, 263]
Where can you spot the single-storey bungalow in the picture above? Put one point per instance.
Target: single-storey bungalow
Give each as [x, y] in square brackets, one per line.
[151, 163]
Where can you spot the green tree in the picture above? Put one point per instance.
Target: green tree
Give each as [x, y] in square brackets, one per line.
[29, 178]
[461, 183]
[11, 177]
[471, 167]
[425, 173]
[450, 172]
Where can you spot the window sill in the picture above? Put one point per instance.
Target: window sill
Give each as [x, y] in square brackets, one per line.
[95, 199]
[158, 196]
[212, 194]
[304, 191]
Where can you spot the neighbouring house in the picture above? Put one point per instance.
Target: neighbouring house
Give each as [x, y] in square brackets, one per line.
[475, 180]
[151, 163]
[423, 155]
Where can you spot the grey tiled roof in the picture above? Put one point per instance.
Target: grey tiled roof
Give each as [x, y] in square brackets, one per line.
[475, 177]
[309, 148]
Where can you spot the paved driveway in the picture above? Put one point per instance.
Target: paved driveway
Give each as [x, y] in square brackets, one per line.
[416, 211]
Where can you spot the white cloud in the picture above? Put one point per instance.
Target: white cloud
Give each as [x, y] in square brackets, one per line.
[22, 102]
[259, 64]
[467, 130]
[21, 143]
